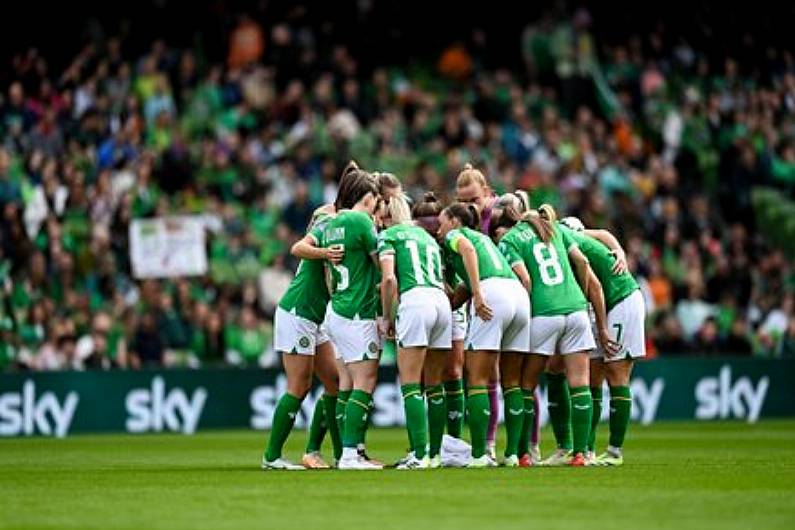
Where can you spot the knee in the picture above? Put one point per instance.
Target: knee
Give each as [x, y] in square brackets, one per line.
[474, 379]
[299, 388]
[510, 380]
[452, 371]
[617, 376]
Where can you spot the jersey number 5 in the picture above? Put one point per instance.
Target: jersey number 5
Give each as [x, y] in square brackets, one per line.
[342, 270]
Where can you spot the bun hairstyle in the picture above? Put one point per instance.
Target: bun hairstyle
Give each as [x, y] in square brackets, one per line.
[466, 214]
[351, 185]
[426, 213]
[429, 205]
[468, 175]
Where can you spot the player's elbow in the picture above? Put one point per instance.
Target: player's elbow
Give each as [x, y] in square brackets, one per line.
[298, 250]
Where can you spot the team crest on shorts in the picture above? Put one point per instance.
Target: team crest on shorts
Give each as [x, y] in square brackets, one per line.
[373, 347]
[303, 342]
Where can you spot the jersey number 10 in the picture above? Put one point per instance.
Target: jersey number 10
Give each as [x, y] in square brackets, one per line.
[433, 262]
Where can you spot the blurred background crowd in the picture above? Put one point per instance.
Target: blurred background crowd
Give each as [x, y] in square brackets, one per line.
[658, 137]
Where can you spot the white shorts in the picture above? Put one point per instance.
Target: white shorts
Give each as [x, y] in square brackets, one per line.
[424, 318]
[562, 334]
[460, 323]
[509, 328]
[354, 340]
[324, 330]
[294, 334]
[626, 326]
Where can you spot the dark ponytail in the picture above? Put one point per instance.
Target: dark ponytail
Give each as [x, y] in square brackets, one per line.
[466, 214]
[507, 219]
[352, 181]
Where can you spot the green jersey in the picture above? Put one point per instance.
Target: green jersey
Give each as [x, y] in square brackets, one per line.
[307, 295]
[554, 289]
[418, 258]
[354, 294]
[491, 264]
[615, 286]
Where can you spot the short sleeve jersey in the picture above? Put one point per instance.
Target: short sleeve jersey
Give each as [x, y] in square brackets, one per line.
[615, 286]
[304, 297]
[554, 289]
[491, 263]
[418, 261]
[354, 294]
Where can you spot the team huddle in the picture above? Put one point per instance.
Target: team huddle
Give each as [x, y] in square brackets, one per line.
[479, 294]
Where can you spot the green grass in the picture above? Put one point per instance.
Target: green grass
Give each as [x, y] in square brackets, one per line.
[677, 475]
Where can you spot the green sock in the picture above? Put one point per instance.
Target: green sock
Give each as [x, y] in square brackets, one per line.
[283, 419]
[581, 409]
[479, 412]
[317, 428]
[528, 418]
[416, 418]
[339, 412]
[330, 408]
[356, 412]
[513, 412]
[454, 401]
[596, 396]
[559, 407]
[437, 415]
[369, 420]
[620, 409]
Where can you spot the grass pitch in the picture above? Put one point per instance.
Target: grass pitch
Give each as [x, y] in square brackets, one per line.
[677, 475]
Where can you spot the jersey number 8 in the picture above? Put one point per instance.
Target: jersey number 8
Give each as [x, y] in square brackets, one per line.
[548, 264]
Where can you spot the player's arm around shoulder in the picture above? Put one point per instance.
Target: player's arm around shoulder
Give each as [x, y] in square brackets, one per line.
[308, 248]
[610, 241]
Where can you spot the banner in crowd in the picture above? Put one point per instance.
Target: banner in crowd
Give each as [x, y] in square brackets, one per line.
[62, 403]
[167, 247]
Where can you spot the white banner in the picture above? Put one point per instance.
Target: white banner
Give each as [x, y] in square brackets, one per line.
[167, 247]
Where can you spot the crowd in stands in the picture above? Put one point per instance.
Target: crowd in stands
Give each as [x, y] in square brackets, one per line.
[647, 138]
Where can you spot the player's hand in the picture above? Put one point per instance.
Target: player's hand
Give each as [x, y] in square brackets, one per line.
[335, 255]
[620, 266]
[610, 347]
[386, 328]
[482, 309]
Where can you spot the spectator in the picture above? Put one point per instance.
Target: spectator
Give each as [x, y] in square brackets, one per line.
[737, 342]
[707, 341]
[247, 343]
[147, 347]
[633, 135]
[693, 311]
